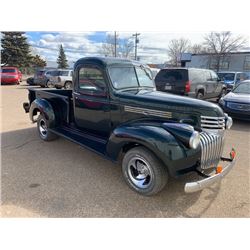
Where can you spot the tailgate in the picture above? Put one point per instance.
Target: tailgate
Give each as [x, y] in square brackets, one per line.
[172, 80]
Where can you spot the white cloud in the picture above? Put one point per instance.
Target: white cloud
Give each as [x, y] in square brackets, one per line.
[152, 46]
[75, 44]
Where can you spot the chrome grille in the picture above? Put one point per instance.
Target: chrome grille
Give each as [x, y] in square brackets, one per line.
[211, 149]
[209, 122]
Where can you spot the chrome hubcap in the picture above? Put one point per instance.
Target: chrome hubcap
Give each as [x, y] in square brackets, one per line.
[139, 172]
[43, 128]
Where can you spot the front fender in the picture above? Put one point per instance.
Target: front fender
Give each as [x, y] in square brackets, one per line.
[161, 142]
[45, 108]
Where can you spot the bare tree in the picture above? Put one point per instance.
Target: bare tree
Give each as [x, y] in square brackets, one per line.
[197, 49]
[176, 48]
[220, 44]
[108, 47]
[124, 47]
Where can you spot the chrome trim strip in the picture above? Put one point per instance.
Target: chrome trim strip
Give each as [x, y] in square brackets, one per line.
[195, 186]
[148, 111]
[213, 117]
[212, 126]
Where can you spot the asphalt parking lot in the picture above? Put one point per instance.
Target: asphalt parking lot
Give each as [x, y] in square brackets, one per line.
[61, 179]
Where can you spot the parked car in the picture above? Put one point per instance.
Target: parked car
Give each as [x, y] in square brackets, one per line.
[42, 77]
[231, 79]
[237, 102]
[193, 82]
[10, 75]
[116, 112]
[62, 79]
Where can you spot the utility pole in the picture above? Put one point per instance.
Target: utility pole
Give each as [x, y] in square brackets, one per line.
[115, 43]
[136, 42]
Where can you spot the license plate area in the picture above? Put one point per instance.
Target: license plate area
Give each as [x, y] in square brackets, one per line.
[168, 87]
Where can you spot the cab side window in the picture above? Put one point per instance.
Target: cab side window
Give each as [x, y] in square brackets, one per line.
[91, 81]
[214, 76]
[208, 76]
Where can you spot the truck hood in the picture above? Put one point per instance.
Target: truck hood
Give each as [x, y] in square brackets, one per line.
[238, 97]
[152, 99]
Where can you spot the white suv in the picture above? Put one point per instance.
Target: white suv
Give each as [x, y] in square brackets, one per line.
[63, 79]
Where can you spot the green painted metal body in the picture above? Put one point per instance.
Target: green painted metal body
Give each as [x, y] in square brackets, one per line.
[125, 118]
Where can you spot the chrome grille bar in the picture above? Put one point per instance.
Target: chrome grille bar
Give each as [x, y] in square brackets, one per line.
[211, 149]
[208, 122]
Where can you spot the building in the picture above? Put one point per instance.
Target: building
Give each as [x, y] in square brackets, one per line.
[235, 61]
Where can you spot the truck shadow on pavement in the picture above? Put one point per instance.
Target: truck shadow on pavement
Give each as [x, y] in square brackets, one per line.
[62, 179]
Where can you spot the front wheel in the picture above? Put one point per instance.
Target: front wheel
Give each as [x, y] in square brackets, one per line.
[50, 85]
[143, 172]
[46, 84]
[42, 127]
[223, 93]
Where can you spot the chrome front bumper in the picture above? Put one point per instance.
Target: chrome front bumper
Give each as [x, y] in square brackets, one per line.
[195, 186]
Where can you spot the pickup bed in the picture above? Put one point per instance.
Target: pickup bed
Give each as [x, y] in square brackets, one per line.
[61, 102]
[115, 111]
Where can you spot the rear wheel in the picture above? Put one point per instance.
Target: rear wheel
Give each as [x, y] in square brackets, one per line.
[200, 95]
[42, 127]
[68, 85]
[143, 172]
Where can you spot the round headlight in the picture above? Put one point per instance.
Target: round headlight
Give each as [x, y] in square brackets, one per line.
[194, 140]
[229, 122]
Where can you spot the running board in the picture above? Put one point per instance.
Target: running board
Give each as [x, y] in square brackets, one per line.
[96, 144]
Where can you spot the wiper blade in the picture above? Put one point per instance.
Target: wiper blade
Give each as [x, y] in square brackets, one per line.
[149, 76]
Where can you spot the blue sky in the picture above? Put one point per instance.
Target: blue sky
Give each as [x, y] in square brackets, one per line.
[152, 47]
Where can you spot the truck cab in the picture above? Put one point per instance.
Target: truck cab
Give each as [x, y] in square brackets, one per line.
[115, 111]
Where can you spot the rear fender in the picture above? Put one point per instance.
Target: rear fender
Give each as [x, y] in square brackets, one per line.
[45, 108]
[200, 88]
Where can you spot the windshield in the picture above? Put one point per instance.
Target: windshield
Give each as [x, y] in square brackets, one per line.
[243, 88]
[63, 73]
[8, 70]
[130, 77]
[52, 73]
[226, 76]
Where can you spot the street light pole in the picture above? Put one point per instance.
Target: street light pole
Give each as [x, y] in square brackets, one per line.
[136, 41]
[115, 43]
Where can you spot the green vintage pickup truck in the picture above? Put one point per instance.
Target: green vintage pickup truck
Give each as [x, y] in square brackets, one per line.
[115, 111]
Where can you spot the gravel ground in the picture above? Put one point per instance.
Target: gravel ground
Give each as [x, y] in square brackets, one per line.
[61, 179]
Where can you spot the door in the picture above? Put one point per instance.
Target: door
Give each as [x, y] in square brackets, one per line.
[210, 85]
[91, 100]
[217, 84]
